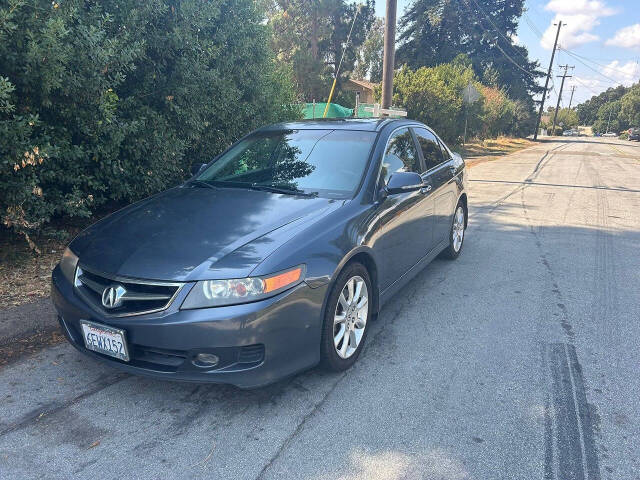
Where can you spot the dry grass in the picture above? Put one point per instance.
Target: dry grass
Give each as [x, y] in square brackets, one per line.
[494, 147]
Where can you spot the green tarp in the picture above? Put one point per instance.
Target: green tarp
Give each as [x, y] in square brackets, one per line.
[335, 110]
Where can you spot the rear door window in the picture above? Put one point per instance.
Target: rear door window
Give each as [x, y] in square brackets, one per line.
[431, 150]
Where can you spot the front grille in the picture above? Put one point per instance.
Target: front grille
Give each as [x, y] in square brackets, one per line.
[136, 298]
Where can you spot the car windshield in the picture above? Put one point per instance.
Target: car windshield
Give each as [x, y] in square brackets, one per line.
[323, 162]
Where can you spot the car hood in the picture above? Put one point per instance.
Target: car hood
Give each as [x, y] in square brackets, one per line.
[189, 233]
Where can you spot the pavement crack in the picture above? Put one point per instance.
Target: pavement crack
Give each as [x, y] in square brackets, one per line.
[287, 441]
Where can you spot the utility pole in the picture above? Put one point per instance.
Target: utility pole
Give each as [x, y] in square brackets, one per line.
[555, 114]
[389, 53]
[546, 83]
[609, 121]
[573, 89]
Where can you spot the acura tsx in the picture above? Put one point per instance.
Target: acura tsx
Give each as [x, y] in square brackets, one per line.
[272, 258]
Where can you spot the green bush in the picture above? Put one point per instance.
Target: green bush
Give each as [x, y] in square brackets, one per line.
[113, 100]
[433, 95]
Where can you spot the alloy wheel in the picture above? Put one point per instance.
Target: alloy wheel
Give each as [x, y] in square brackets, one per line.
[458, 229]
[350, 318]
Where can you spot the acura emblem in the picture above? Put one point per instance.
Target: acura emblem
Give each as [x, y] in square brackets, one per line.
[112, 296]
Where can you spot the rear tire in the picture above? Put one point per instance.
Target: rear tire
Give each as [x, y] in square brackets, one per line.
[346, 318]
[456, 233]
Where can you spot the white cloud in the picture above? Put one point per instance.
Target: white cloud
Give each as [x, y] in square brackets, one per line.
[628, 37]
[626, 74]
[580, 17]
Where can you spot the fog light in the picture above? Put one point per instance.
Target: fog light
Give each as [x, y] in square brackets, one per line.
[206, 360]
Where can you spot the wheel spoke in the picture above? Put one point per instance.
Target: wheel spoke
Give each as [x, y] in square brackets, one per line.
[343, 302]
[362, 303]
[350, 290]
[345, 344]
[353, 341]
[339, 336]
[356, 294]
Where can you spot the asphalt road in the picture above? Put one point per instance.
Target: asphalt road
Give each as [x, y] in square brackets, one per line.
[520, 360]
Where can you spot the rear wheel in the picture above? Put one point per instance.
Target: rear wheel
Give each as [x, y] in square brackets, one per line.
[456, 235]
[346, 319]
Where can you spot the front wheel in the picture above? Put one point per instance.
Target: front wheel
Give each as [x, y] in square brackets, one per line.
[346, 318]
[456, 235]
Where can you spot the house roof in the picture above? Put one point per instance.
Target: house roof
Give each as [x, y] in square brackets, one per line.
[364, 84]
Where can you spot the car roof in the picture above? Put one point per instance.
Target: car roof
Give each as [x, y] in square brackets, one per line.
[362, 124]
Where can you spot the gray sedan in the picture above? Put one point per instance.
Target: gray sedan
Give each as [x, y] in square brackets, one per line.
[274, 257]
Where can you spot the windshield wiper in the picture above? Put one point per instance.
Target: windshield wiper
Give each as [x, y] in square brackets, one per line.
[202, 183]
[283, 190]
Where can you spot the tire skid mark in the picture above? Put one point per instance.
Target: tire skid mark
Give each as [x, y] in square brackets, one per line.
[570, 450]
[565, 321]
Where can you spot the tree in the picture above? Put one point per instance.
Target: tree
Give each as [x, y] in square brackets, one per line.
[567, 118]
[112, 100]
[434, 96]
[588, 111]
[436, 31]
[608, 118]
[630, 106]
[309, 35]
[370, 55]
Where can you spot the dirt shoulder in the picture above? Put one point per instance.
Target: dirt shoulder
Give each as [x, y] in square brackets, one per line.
[480, 151]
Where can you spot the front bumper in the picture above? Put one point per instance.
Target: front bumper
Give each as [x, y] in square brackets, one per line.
[257, 343]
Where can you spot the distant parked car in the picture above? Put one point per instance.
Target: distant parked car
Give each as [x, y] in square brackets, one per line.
[634, 134]
[571, 133]
[610, 134]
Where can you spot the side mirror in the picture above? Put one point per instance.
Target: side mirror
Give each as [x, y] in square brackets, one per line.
[197, 168]
[404, 182]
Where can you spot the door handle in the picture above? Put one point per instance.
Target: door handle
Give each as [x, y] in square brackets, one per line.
[426, 189]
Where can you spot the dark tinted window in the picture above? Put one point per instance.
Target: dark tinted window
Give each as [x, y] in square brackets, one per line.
[445, 153]
[401, 155]
[430, 147]
[323, 161]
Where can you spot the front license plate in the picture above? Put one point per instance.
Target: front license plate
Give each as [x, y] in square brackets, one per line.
[106, 340]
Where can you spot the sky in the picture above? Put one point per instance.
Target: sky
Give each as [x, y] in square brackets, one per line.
[601, 39]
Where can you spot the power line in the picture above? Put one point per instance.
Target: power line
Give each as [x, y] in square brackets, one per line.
[499, 31]
[595, 92]
[591, 68]
[495, 44]
[574, 54]
[532, 25]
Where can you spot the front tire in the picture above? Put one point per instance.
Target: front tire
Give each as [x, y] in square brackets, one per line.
[456, 234]
[346, 318]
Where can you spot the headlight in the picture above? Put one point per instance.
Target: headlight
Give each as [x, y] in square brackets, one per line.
[68, 265]
[216, 293]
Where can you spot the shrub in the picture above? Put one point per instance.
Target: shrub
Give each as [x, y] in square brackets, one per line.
[434, 96]
[498, 113]
[112, 100]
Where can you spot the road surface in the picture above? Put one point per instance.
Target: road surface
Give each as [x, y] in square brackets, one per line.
[520, 360]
